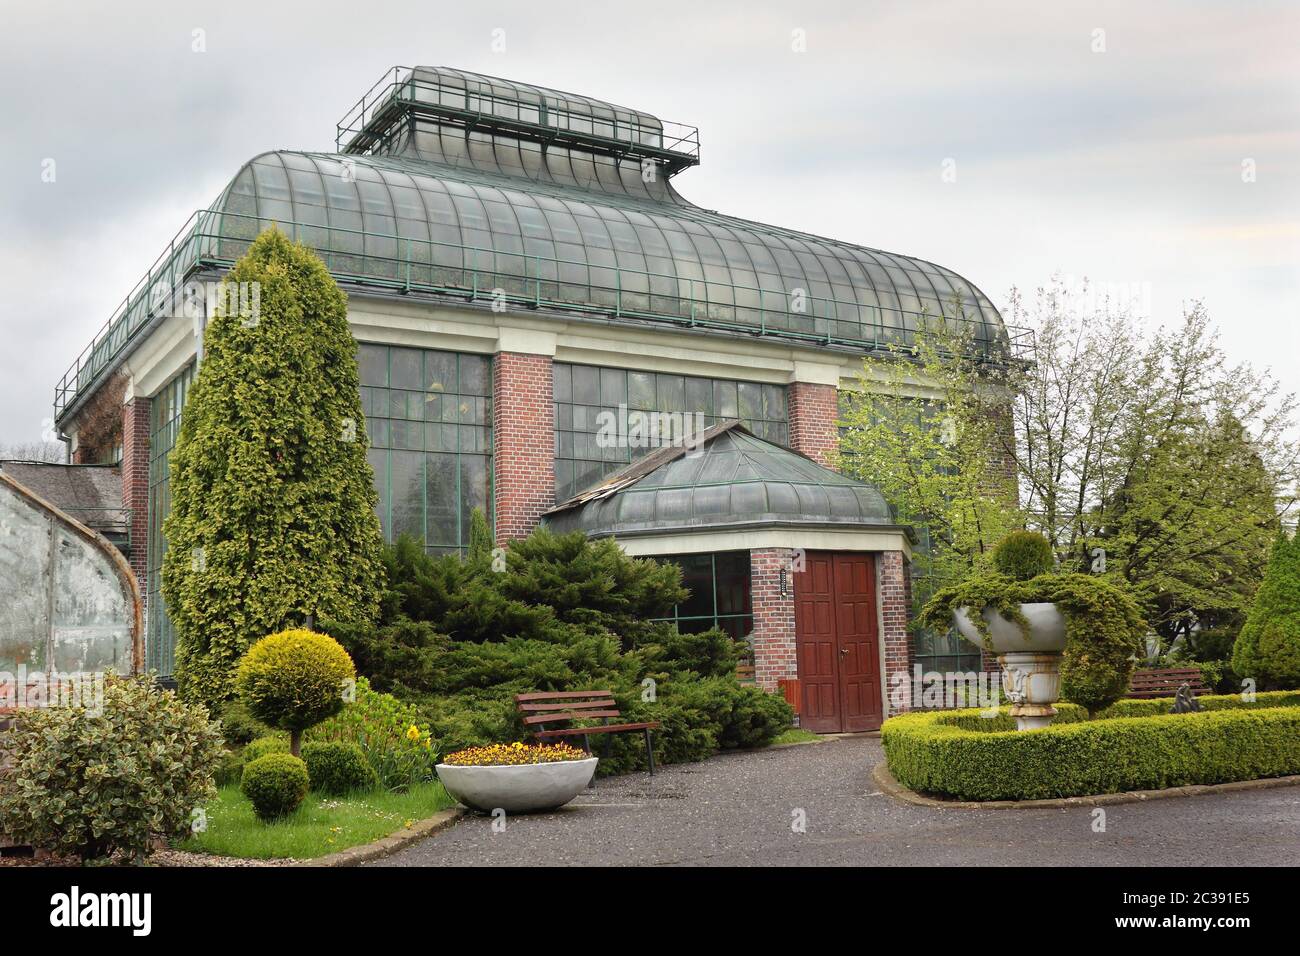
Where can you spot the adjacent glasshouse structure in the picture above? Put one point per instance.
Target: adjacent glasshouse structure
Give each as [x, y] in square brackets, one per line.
[520, 268]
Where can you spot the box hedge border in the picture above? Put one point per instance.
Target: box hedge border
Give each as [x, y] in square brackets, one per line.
[1135, 745]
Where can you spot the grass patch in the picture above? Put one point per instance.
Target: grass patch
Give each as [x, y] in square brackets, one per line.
[321, 825]
[795, 735]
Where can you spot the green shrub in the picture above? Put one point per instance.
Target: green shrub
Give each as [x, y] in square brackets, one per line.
[293, 680]
[1268, 647]
[239, 727]
[275, 784]
[337, 768]
[263, 746]
[388, 733]
[960, 754]
[711, 653]
[459, 640]
[1022, 555]
[229, 768]
[90, 784]
[736, 716]
[232, 763]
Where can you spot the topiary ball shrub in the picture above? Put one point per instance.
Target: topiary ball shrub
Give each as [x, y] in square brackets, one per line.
[1022, 555]
[263, 746]
[336, 769]
[275, 784]
[91, 782]
[293, 680]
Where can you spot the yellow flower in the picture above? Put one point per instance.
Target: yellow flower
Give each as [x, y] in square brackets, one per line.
[413, 733]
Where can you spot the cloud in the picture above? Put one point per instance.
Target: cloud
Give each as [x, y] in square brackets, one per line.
[1123, 165]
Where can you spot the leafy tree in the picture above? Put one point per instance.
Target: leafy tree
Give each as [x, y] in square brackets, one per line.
[1155, 449]
[1191, 528]
[1268, 647]
[924, 426]
[273, 503]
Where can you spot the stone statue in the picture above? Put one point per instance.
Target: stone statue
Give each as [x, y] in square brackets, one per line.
[1184, 701]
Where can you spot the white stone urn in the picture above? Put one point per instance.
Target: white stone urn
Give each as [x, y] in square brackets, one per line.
[518, 788]
[1031, 664]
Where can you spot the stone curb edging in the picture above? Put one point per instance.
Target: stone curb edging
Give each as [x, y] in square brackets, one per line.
[386, 846]
[881, 776]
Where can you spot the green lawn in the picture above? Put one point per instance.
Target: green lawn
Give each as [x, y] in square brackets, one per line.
[795, 736]
[321, 825]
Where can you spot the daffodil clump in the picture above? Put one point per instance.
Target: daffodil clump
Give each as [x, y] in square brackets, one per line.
[509, 755]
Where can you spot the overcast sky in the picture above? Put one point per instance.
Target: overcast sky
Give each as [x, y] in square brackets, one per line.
[1107, 140]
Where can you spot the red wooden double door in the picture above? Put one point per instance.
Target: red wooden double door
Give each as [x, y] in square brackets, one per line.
[837, 643]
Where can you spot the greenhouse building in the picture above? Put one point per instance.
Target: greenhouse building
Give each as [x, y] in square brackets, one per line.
[536, 308]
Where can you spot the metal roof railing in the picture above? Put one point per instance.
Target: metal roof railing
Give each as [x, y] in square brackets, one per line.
[473, 102]
[399, 265]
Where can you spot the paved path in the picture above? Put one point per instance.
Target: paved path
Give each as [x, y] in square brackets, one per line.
[737, 810]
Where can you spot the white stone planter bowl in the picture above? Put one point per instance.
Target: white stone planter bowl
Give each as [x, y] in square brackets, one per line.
[524, 788]
[1046, 629]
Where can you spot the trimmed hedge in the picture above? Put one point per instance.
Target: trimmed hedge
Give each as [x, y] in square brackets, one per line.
[1162, 705]
[968, 757]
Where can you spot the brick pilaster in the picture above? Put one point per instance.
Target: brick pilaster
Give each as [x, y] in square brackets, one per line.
[773, 634]
[135, 481]
[523, 442]
[814, 410]
[895, 614]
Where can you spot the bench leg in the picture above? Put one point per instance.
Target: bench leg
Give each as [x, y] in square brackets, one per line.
[649, 752]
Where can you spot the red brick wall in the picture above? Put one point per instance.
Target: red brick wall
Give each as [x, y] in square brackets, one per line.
[895, 613]
[814, 410]
[773, 635]
[135, 480]
[523, 442]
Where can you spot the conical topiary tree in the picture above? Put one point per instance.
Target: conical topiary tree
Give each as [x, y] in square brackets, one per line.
[272, 517]
[1268, 647]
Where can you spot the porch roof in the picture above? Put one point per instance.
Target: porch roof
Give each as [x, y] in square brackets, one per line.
[731, 481]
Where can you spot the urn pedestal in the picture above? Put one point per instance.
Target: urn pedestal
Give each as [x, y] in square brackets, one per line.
[1031, 663]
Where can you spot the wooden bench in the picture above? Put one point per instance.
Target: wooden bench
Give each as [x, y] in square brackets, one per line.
[565, 707]
[1165, 681]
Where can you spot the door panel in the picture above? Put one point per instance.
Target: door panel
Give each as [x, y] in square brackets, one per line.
[859, 674]
[816, 652]
[836, 642]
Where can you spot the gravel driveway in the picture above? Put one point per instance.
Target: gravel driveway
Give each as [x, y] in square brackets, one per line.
[739, 810]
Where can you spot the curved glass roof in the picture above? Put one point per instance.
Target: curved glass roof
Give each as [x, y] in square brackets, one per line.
[600, 246]
[736, 481]
[469, 188]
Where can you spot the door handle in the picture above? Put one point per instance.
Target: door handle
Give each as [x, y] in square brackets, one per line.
[844, 650]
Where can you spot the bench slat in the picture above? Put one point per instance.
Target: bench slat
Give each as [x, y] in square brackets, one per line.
[599, 729]
[560, 717]
[562, 695]
[1152, 683]
[602, 703]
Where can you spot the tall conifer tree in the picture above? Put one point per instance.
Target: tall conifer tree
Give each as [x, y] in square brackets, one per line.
[272, 518]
